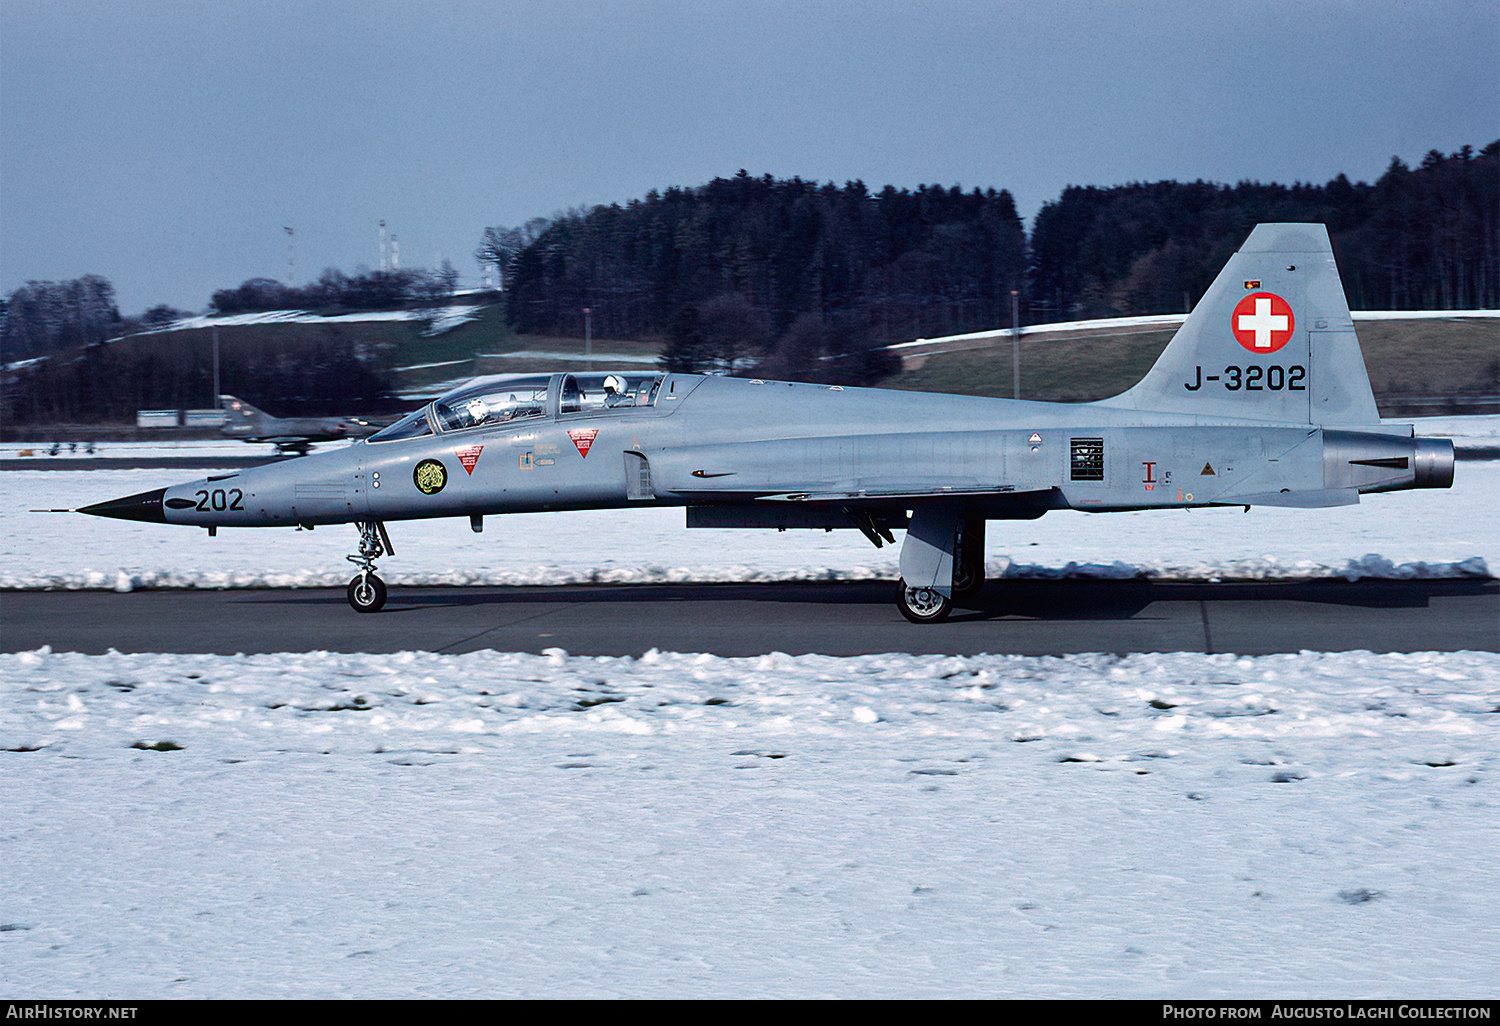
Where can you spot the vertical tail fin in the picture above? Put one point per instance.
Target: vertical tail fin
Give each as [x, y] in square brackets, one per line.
[240, 418]
[1270, 340]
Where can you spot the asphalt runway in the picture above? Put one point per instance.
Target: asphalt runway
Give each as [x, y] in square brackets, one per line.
[137, 462]
[1021, 617]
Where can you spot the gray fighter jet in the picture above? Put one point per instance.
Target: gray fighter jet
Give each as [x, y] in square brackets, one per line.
[291, 435]
[1261, 398]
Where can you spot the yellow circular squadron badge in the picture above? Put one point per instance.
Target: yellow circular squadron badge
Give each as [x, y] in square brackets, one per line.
[430, 477]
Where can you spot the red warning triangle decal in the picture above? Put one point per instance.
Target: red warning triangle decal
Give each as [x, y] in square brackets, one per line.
[582, 439]
[468, 457]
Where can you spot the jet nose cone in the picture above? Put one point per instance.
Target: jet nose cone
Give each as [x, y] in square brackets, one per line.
[142, 506]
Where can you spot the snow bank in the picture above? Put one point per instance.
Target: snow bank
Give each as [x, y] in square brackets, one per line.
[681, 825]
[446, 316]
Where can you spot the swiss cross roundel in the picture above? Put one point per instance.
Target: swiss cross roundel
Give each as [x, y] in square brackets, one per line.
[1262, 322]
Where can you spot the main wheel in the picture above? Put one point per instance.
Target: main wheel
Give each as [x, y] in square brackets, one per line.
[367, 593]
[968, 578]
[922, 605]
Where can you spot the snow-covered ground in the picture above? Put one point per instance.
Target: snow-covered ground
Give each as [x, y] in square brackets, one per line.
[1472, 431]
[443, 318]
[499, 825]
[164, 448]
[603, 359]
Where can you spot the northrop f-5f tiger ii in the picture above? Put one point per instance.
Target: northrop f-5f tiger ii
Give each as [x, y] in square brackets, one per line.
[1261, 398]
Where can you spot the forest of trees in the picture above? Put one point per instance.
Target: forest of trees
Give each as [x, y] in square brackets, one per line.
[794, 272]
[333, 371]
[796, 279]
[59, 365]
[1418, 239]
[44, 317]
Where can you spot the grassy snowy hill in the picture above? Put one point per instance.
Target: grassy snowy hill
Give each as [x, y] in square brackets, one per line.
[1414, 358]
[423, 348]
[1416, 363]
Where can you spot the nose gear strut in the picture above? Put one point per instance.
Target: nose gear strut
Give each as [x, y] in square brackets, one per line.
[366, 591]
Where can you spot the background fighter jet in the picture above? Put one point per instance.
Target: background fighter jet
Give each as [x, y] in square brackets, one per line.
[1261, 398]
[291, 434]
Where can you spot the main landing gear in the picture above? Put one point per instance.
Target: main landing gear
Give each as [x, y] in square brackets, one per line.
[366, 591]
[968, 560]
[955, 547]
[922, 605]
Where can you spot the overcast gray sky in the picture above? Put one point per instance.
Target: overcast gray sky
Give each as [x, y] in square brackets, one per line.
[166, 143]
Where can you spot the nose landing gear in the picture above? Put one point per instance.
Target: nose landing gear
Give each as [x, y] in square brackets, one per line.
[367, 592]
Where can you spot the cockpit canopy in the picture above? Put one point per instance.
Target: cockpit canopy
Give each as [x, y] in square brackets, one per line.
[582, 393]
[509, 398]
[492, 401]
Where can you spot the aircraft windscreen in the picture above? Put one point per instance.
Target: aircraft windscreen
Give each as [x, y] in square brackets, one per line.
[492, 402]
[413, 425]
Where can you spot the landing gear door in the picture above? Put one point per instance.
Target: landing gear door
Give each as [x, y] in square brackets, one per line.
[930, 545]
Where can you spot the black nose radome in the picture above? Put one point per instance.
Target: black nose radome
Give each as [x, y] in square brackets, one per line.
[144, 506]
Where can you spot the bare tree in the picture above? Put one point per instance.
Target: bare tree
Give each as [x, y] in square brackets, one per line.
[45, 316]
[501, 245]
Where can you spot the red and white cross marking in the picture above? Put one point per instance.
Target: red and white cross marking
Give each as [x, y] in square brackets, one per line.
[1262, 322]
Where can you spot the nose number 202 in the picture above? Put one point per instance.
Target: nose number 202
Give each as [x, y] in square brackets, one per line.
[218, 500]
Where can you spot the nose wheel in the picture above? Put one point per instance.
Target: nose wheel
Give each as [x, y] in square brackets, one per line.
[367, 592]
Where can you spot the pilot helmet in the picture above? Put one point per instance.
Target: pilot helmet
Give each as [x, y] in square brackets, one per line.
[614, 384]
